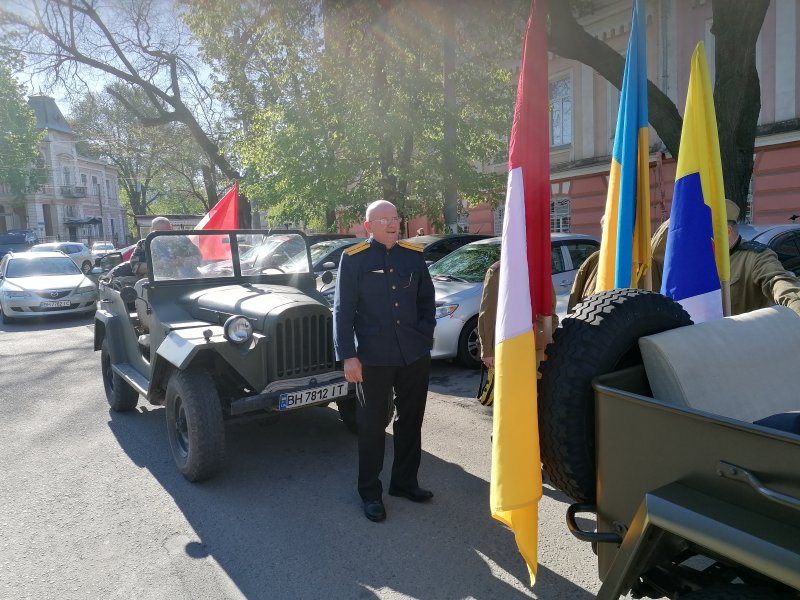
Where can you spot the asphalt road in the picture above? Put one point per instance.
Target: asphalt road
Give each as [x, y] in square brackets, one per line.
[93, 507]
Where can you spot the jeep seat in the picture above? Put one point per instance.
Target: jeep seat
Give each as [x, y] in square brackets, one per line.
[742, 367]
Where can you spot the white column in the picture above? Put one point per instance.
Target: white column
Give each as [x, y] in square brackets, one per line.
[587, 111]
[785, 59]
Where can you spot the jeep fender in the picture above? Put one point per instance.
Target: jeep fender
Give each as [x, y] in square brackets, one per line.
[184, 347]
[107, 325]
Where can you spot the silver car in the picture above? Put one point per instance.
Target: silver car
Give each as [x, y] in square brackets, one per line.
[458, 280]
[33, 284]
[78, 252]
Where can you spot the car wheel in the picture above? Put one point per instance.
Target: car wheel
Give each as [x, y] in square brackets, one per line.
[120, 395]
[469, 345]
[347, 412]
[195, 426]
[6, 319]
[599, 337]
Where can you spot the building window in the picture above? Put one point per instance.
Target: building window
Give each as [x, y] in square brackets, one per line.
[67, 175]
[108, 188]
[561, 112]
[559, 215]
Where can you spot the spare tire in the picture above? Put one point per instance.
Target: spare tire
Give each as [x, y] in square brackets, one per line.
[601, 336]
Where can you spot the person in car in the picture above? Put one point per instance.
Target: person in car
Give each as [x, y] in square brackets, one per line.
[383, 321]
[758, 279]
[176, 256]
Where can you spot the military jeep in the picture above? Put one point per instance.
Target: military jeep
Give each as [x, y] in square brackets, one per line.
[218, 329]
[682, 441]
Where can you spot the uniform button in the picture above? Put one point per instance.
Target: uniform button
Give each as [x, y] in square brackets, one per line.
[397, 304]
[394, 287]
[391, 270]
[398, 321]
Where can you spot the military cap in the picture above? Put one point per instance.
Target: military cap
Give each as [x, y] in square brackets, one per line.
[732, 210]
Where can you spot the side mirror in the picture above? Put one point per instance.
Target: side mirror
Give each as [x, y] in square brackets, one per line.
[329, 265]
[128, 294]
[326, 277]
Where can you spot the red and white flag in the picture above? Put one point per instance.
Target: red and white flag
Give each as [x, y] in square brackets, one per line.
[525, 290]
[223, 215]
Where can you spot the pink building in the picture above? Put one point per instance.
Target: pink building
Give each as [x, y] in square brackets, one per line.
[584, 114]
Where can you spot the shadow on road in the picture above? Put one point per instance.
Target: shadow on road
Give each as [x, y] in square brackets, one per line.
[45, 323]
[284, 519]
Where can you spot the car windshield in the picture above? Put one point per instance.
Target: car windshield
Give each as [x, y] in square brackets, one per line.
[297, 263]
[190, 256]
[468, 263]
[44, 266]
[102, 246]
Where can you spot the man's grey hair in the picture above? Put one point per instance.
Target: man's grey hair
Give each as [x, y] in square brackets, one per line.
[161, 224]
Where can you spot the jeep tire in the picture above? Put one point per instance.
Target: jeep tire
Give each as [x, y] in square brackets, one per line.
[601, 336]
[120, 395]
[195, 424]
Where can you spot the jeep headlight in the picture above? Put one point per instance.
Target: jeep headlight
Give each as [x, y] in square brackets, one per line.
[445, 310]
[238, 330]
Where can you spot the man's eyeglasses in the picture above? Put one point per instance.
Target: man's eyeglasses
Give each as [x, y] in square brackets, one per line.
[385, 220]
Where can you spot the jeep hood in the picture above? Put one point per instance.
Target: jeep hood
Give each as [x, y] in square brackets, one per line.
[254, 302]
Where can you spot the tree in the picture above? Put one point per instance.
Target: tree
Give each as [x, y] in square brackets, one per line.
[139, 44]
[19, 138]
[737, 91]
[158, 163]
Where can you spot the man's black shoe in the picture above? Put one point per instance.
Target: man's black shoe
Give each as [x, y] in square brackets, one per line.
[415, 495]
[374, 510]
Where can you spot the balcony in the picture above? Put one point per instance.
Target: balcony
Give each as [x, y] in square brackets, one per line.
[73, 191]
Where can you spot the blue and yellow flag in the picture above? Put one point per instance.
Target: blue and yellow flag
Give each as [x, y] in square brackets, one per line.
[625, 245]
[697, 259]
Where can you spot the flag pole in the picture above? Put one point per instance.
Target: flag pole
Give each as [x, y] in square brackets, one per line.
[726, 298]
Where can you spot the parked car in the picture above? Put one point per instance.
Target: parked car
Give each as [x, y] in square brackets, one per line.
[33, 284]
[783, 239]
[325, 257]
[14, 242]
[220, 344]
[30, 234]
[101, 248]
[437, 246]
[458, 280]
[78, 252]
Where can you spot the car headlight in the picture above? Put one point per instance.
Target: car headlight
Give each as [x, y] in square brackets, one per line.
[16, 294]
[445, 310]
[238, 330]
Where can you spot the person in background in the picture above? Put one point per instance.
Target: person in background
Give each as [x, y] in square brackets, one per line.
[383, 320]
[487, 316]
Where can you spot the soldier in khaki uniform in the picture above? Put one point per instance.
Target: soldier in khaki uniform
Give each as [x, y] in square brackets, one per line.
[585, 280]
[488, 315]
[758, 279]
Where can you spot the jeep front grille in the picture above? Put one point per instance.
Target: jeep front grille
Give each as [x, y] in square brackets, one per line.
[304, 345]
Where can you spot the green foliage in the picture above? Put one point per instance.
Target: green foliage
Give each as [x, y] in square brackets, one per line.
[343, 103]
[19, 138]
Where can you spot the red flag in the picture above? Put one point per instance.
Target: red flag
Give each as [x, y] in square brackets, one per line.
[223, 215]
[529, 149]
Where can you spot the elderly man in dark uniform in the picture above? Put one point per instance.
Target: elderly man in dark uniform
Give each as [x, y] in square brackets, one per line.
[383, 330]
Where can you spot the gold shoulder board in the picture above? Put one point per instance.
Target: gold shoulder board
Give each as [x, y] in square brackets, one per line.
[411, 246]
[357, 248]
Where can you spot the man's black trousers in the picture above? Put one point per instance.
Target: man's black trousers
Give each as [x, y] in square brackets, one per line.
[410, 386]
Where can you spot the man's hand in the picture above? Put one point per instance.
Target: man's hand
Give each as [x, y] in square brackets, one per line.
[489, 362]
[352, 370]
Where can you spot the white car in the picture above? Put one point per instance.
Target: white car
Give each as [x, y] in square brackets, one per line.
[79, 253]
[33, 284]
[458, 280]
[102, 248]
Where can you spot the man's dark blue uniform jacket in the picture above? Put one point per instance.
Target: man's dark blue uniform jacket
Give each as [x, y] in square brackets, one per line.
[386, 298]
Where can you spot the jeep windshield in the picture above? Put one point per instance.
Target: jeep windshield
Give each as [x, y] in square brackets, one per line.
[197, 255]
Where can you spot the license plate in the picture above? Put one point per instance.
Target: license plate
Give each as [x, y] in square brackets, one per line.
[292, 400]
[55, 303]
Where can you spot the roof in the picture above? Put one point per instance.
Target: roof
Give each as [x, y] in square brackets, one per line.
[426, 240]
[29, 255]
[48, 116]
[83, 221]
[764, 233]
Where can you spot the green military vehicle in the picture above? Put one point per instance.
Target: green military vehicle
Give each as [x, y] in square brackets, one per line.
[219, 329]
[683, 441]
